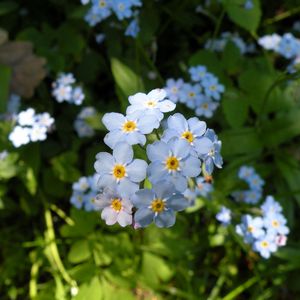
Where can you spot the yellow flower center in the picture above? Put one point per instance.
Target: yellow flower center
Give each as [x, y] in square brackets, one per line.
[213, 87]
[172, 163]
[119, 171]
[102, 3]
[129, 126]
[157, 205]
[192, 94]
[116, 204]
[275, 223]
[151, 104]
[205, 105]
[264, 244]
[250, 228]
[174, 90]
[188, 136]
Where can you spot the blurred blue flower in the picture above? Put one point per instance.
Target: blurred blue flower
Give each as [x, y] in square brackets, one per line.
[189, 94]
[203, 188]
[212, 87]
[270, 205]
[224, 216]
[173, 88]
[133, 29]
[265, 245]
[288, 46]
[251, 228]
[205, 107]
[198, 73]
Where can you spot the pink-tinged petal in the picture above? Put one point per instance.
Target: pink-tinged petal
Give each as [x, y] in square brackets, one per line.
[124, 218]
[109, 215]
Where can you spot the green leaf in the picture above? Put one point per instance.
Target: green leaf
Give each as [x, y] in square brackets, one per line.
[232, 58]
[64, 167]
[79, 252]
[240, 141]
[5, 76]
[155, 269]
[126, 79]
[92, 290]
[6, 7]
[248, 19]
[235, 108]
[8, 167]
[30, 181]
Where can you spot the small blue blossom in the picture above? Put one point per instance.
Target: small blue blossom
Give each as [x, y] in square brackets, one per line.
[190, 195]
[153, 103]
[122, 9]
[189, 94]
[224, 216]
[120, 169]
[265, 245]
[270, 205]
[251, 228]
[173, 89]
[248, 4]
[116, 207]
[158, 205]
[81, 126]
[213, 157]
[246, 172]
[191, 130]
[130, 128]
[252, 196]
[133, 29]
[275, 223]
[270, 42]
[205, 107]
[172, 161]
[212, 87]
[93, 17]
[198, 73]
[255, 182]
[288, 46]
[203, 188]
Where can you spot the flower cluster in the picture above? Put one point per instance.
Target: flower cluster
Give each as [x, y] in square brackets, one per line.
[202, 95]
[266, 232]
[84, 193]
[255, 183]
[81, 126]
[175, 160]
[122, 9]
[65, 89]
[30, 127]
[219, 44]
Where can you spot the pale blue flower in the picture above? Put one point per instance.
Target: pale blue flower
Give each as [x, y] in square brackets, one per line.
[77, 96]
[248, 5]
[77, 199]
[246, 172]
[158, 205]
[102, 8]
[153, 104]
[172, 161]
[130, 128]
[270, 205]
[252, 196]
[120, 169]
[203, 188]
[173, 89]
[212, 87]
[275, 223]
[189, 94]
[133, 29]
[224, 216]
[191, 130]
[93, 17]
[116, 207]
[265, 245]
[190, 195]
[255, 182]
[122, 9]
[270, 42]
[205, 107]
[197, 73]
[289, 46]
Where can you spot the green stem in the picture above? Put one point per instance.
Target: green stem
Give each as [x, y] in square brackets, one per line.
[33, 279]
[217, 28]
[237, 291]
[282, 16]
[217, 288]
[62, 214]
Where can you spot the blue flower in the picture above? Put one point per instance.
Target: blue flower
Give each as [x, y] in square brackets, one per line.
[191, 130]
[271, 206]
[212, 87]
[81, 185]
[213, 158]
[197, 73]
[248, 4]
[172, 161]
[153, 104]
[265, 245]
[255, 182]
[122, 9]
[89, 201]
[173, 88]
[251, 228]
[102, 8]
[92, 18]
[121, 169]
[130, 128]
[189, 94]
[252, 196]
[288, 46]
[224, 216]
[158, 204]
[116, 207]
[275, 223]
[246, 172]
[77, 199]
[203, 188]
[133, 28]
[205, 107]
[190, 195]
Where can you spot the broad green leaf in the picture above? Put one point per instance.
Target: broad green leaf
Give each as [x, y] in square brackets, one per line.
[232, 58]
[240, 141]
[79, 252]
[290, 254]
[8, 166]
[30, 180]
[126, 79]
[248, 19]
[235, 108]
[5, 76]
[92, 290]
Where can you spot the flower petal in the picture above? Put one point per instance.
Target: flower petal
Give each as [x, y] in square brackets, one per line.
[166, 218]
[123, 153]
[166, 106]
[124, 218]
[157, 151]
[127, 188]
[147, 123]
[104, 162]
[137, 170]
[143, 216]
[177, 122]
[143, 198]
[178, 202]
[203, 145]
[197, 127]
[113, 137]
[164, 189]
[157, 94]
[109, 216]
[113, 121]
[191, 167]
